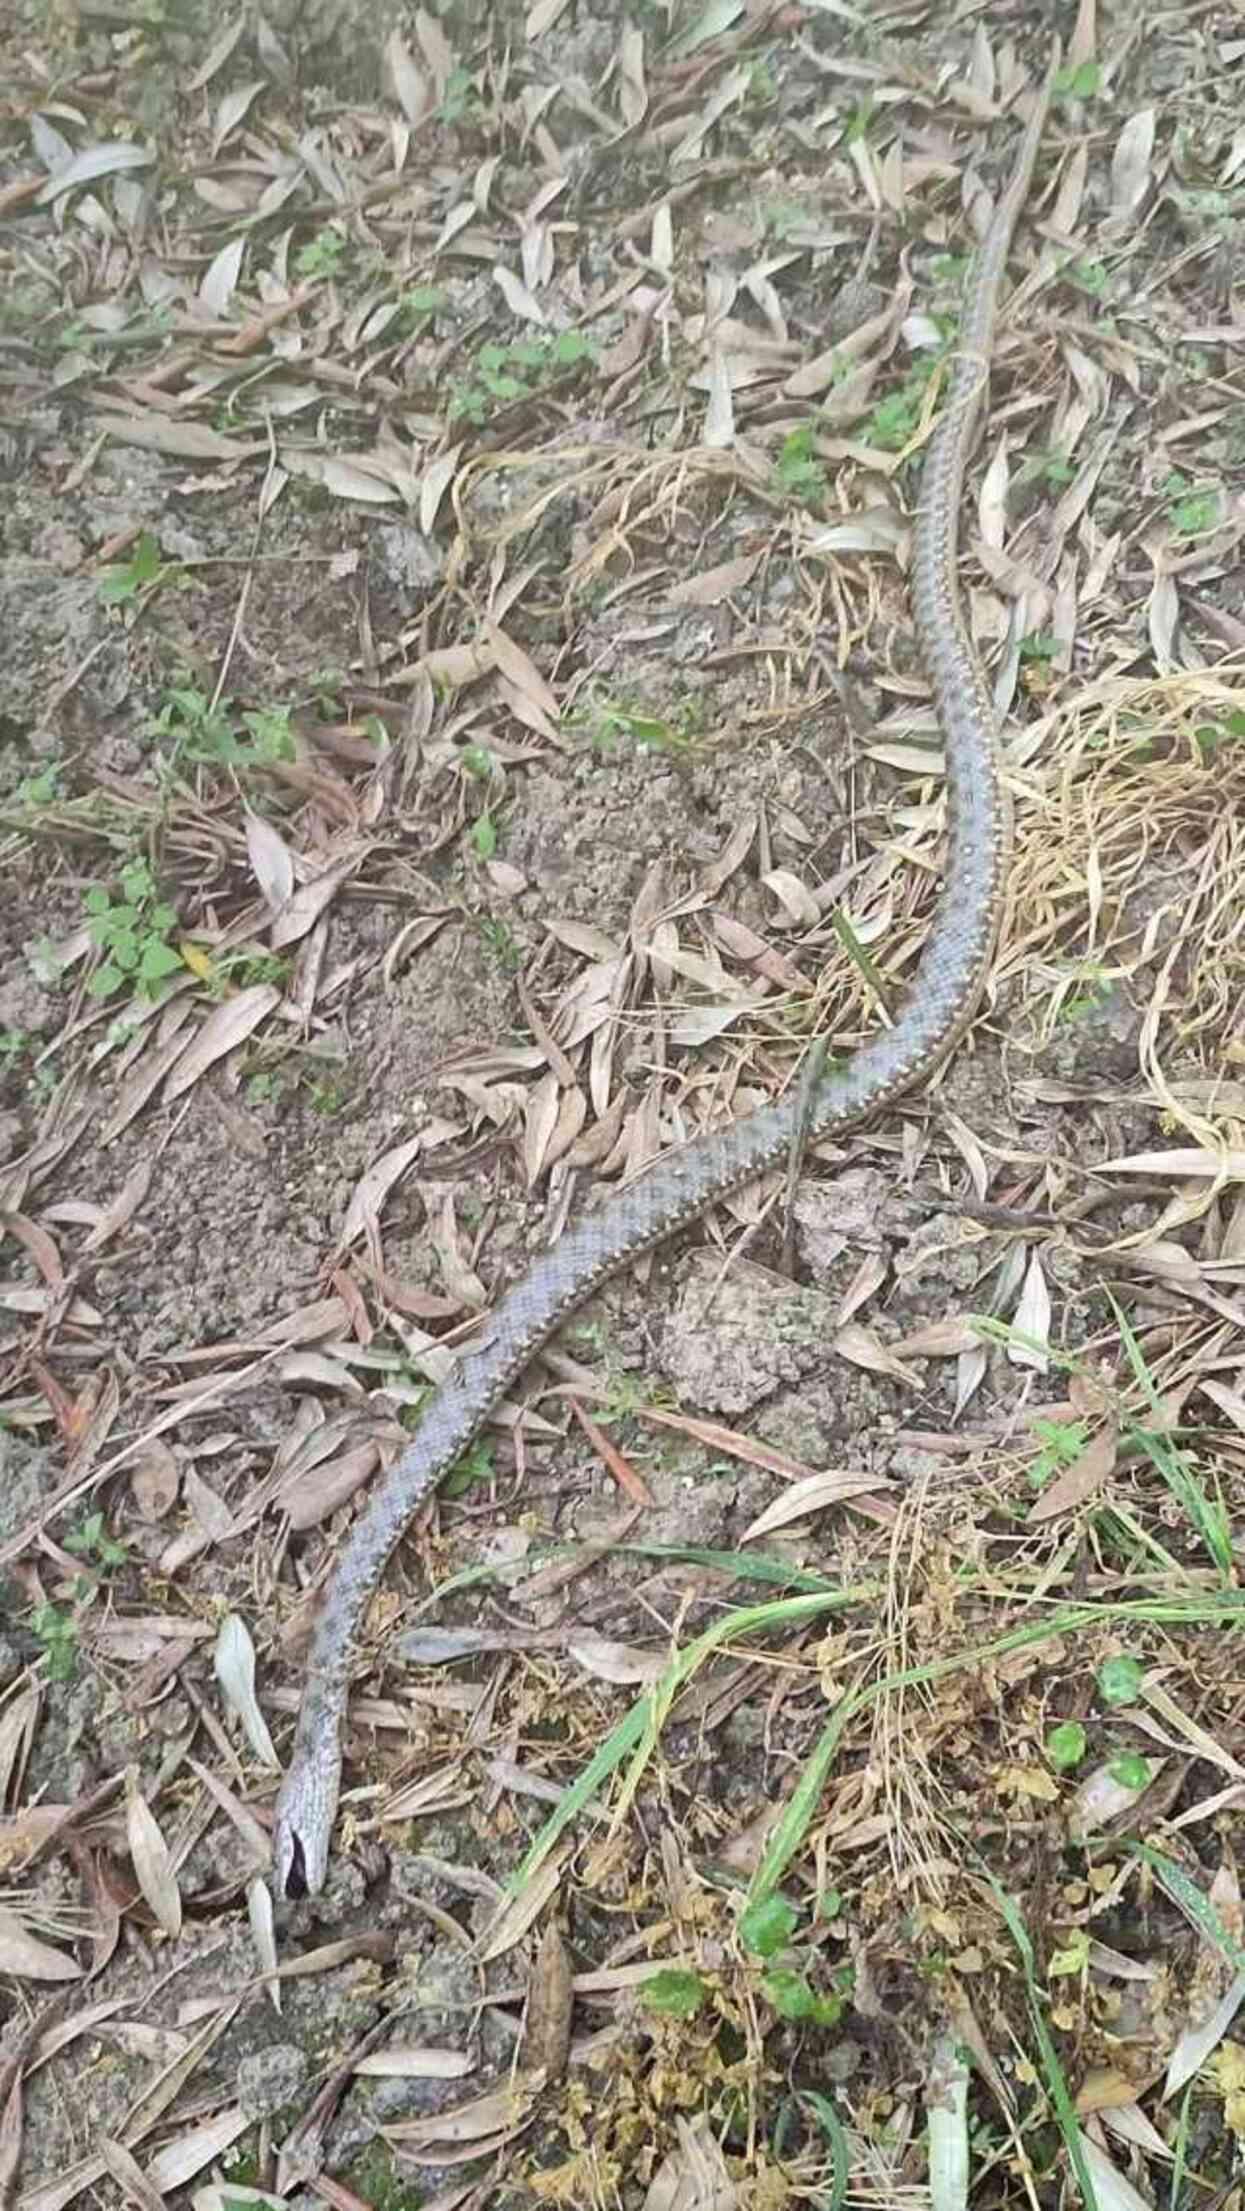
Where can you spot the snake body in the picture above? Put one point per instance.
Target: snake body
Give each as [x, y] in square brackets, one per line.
[944, 997]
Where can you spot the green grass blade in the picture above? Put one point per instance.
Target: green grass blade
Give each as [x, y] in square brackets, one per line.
[1056, 2085]
[637, 1731]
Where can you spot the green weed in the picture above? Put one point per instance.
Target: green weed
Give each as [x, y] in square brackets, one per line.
[43, 788]
[675, 732]
[501, 943]
[478, 1464]
[501, 374]
[56, 1626]
[1210, 736]
[144, 568]
[1078, 81]
[1192, 512]
[798, 469]
[132, 932]
[190, 728]
[322, 255]
[460, 102]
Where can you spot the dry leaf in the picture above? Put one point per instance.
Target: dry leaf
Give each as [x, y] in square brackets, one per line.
[305, 908]
[1177, 1164]
[263, 1934]
[813, 1494]
[233, 1662]
[232, 109]
[413, 92]
[516, 1914]
[501, 2110]
[149, 1855]
[220, 279]
[154, 1482]
[1130, 165]
[615, 1662]
[547, 2037]
[109, 160]
[864, 1349]
[28, 1959]
[1077, 1483]
[226, 1027]
[272, 862]
[413, 2061]
[1031, 1320]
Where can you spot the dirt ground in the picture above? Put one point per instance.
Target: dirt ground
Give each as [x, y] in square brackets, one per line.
[463, 734]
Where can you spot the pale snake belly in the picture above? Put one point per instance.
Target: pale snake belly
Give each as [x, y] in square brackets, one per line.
[943, 999]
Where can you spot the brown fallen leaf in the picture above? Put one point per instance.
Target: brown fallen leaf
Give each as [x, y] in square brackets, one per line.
[226, 1027]
[619, 1465]
[154, 1482]
[497, 2114]
[193, 441]
[27, 1958]
[813, 1494]
[547, 2037]
[1074, 1485]
[152, 1863]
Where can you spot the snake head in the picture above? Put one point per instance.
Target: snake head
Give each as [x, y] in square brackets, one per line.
[303, 1823]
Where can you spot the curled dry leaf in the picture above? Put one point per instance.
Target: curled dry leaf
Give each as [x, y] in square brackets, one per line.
[1130, 165]
[1195, 2045]
[154, 1482]
[795, 898]
[152, 1863]
[373, 1188]
[433, 485]
[863, 1349]
[499, 2112]
[618, 1663]
[178, 2161]
[1227, 1163]
[18, 1721]
[432, 1646]
[411, 88]
[93, 162]
[694, 2176]
[305, 908]
[26, 1958]
[516, 1914]
[813, 1494]
[941, 1339]
[520, 670]
[459, 1276]
[217, 55]
[1074, 1485]
[122, 2166]
[263, 1934]
[272, 862]
[414, 2061]
[211, 1513]
[309, 1498]
[547, 2040]
[191, 441]
[228, 1026]
[233, 1662]
[220, 279]
[1031, 1321]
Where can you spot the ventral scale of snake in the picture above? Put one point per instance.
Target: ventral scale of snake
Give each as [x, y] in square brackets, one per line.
[941, 1004]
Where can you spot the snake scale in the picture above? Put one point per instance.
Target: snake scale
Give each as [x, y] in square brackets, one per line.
[943, 999]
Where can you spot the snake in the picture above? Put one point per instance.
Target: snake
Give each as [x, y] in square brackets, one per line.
[942, 1002]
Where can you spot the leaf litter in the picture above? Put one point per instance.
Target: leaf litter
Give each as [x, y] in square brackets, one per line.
[500, 464]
